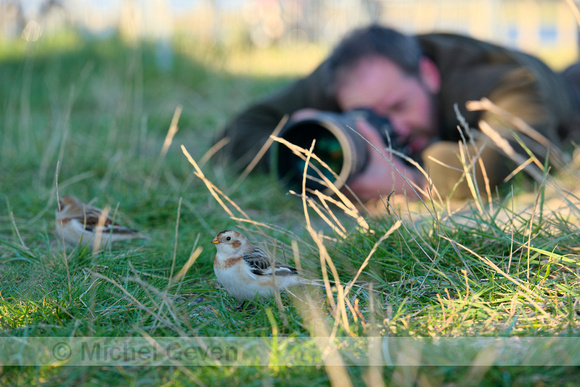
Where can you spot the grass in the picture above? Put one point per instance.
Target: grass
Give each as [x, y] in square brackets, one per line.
[93, 115]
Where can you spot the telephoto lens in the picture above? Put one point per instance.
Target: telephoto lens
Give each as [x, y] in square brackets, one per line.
[338, 144]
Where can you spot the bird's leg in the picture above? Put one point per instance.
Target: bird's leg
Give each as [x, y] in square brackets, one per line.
[241, 306]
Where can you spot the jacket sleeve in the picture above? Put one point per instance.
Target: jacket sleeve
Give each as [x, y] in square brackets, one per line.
[249, 130]
[522, 99]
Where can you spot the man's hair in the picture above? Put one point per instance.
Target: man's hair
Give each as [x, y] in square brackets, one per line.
[372, 41]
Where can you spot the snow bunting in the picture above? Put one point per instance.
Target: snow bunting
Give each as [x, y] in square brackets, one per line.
[77, 222]
[245, 270]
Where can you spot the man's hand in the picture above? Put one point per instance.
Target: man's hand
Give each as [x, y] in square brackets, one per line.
[384, 172]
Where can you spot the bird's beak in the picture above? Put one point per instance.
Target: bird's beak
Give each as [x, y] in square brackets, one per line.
[215, 241]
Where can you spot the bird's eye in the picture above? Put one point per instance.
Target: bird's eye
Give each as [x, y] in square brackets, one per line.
[228, 239]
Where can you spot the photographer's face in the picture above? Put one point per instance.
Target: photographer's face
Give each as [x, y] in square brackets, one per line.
[379, 84]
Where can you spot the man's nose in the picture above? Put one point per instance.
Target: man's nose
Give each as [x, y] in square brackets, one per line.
[400, 126]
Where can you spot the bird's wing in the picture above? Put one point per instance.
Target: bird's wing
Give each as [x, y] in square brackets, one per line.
[258, 261]
[90, 223]
[260, 264]
[283, 270]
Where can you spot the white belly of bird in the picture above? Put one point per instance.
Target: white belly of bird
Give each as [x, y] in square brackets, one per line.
[242, 284]
[74, 233]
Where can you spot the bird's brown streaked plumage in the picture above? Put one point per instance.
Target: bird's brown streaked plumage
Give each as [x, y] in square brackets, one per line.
[245, 270]
[77, 222]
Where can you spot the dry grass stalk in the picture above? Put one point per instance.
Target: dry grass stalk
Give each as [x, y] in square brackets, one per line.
[171, 132]
[416, 189]
[464, 151]
[213, 150]
[324, 199]
[277, 298]
[64, 256]
[537, 203]
[166, 300]
[393, 228]
[457, 183]
[350, 211]
[303, 154]
[556, 155]
[215, 192]
[433, 189]
[336, 227]
[100, 225]
[159, 318]
[508, 150]
[186, 370]
[11, 215]
[469, 177]
[339, 307]
[333, 362]
[174, 255]
[374, 374]
[520, 167]
[128, 296]
[296, 255]
[192, 258]
[346, 205]
[166, 144]
[261, 225]
[486, 182]
[262, 150]
[315, 238]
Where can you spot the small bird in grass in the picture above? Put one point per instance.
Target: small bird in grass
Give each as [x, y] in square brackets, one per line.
[77, 222]
[245, 270]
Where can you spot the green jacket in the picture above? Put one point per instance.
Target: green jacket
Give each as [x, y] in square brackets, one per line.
[470, 70]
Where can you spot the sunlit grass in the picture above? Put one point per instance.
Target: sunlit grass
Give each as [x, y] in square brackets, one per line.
[244, 60]
[294, 60]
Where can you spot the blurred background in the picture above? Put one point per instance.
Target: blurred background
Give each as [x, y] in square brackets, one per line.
[546, 28]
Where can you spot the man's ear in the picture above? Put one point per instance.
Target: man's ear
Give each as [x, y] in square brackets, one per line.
[430, 75]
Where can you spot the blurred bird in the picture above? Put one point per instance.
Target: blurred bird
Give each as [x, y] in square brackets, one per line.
[245, 270]
[77, 222]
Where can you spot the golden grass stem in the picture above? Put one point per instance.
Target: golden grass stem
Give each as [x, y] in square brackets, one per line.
[509, 151]
[277, 297]
[262, 151]
[346, 203]
[486, 182]
[296, 255]
[336, 229]
[175, 238]
[471, 182]
[333, 362]
[17, 232]
[97, 243]
[173, 128]
[213, 150]
[215, 192]
[64, 256]
[393, 228]
[338, 307]
[323, 199]
[556, 153]
[190, 261]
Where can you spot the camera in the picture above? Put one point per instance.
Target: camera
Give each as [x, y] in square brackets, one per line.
[338, 144]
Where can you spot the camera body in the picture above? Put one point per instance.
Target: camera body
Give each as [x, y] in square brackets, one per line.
[338, 144]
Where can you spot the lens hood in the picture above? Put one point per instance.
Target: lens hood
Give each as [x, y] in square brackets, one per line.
[338, 144]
